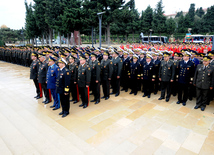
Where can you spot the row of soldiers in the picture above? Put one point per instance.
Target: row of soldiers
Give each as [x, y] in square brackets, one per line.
[87, 68]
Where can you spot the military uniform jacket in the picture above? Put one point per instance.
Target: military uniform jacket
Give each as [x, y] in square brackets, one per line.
[89, 62]
[176, 66]
[126, 67]
[52, 75]
[43, 68]
[34, 68]
[134, 70]
[148, 71]
[84, 75]
[73, 68]
[204, 78]
[106, 69]
[117, 66]
[186, 72]
[167, 71]
[156, 67]
[95, 71]
[63, 81]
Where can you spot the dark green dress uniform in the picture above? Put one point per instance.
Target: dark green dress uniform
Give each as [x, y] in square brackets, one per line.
[203, 79]
[175, 82]
[117, 68]
[106, 73]
[166, 73]
[124, 74]
[34, 67]
[62, 87]
[95, 76]
[84, 78]
[73, 69]
[43, 68]
[156, 75]
[185, 76]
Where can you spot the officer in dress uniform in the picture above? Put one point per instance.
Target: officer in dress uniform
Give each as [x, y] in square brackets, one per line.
[84, 79]
[134, 74]
[117, 68]
[95, 78]
[43, 68]
[73, 68]
[106, 73]
[34, 67]
[148, 75]
[166, 76]
[204, 82]
[156, 62]
[52, 75]
[211, 55]
[125, 71]
[62, 87]
[176, 65]
[185, 77]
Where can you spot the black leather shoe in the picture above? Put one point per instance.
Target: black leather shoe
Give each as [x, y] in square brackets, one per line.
[148, 96]
[75, 102]
[202, 108]
[135, 93]
[167, 100]
[35, 96]
[52, 106]
[61, 113]
[155, 93]
[93, 100]
[126, 90]
[44, 101]
[117, 94]
[131, 92]
[47, 102]
[85, 106]
[81, 105]
[184, 103]
[102, 97]
[190, 98]
[144, 95]
[196, 107]
[97, 102]
[38, 97]
[111, 93]
[106, 98]
[55, 108]
[71, 100]
[122, 89]
[161, 98]
[64, 115]
[178, 102]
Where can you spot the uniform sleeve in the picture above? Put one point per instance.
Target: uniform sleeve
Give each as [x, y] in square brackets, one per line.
[75, 73]
[56, 71]
[192, 69]
[67, 81]
[212, 79]
[120, 66]
[173, 72]
[98, 71]
[195, 75]
[160, 68]
[88, 75]
[110, 69]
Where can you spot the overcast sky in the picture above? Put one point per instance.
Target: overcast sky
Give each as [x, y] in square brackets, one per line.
[12, 12]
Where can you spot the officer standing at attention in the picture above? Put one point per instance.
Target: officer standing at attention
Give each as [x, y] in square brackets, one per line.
[125, 72]
[204, 82]
[117, 68]
[185, 77]
[73, 68]
[106, 73]
[34, 67]
[166, 76]
[42, 76]
[84, 79]
[62, 87]
[52, 74]
[95, 78]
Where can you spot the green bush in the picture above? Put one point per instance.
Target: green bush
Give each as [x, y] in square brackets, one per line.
[2, 43]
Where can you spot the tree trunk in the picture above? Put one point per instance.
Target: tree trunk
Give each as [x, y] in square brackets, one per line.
[79, 38]
[108, 34]
[118, 42]
[68, 39]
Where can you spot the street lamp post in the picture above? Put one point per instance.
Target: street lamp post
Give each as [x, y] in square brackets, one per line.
[100, 25]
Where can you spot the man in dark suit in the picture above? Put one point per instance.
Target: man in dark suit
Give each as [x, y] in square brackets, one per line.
[95, 78]
[34, 67]
[185, 77]
[166, 76]
[117, 68]
[125, 71]
[62, 87]
[106, 73]
[204, 82]
[84, 79]
[43, 68]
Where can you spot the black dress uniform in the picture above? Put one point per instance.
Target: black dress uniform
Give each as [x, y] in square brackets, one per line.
[148, 73]
[175, 82]
[203, 79]
[43, 68]
[62, 87]
[84, 78]
[124, 74]
[134, 74]
[166, 73]
[117, 68]
[106, 74]
[185, 76]
[156, 71]
[34, 67]
[95, 80]
[73, 69]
